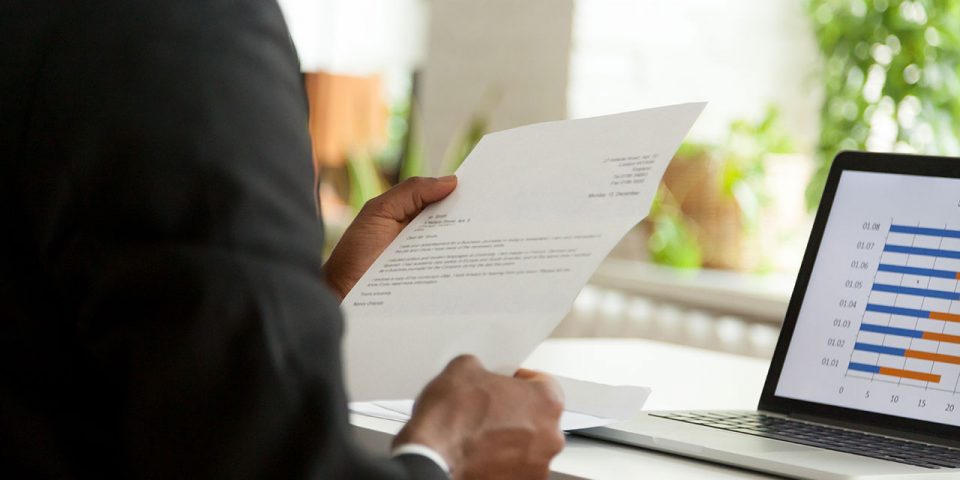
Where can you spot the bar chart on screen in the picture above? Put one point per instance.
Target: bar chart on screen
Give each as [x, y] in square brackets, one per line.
[908, 334]
[879, 326]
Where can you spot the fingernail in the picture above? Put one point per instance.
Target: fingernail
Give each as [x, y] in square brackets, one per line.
[448, 178]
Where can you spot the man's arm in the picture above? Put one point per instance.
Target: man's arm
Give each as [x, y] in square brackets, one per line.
[175, 208]
[185, 230]
[470, 421]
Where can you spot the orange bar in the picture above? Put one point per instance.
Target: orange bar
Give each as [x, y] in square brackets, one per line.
[935, 357]
[958, 275]
[896, 372]
[947, 317]
[941, 337]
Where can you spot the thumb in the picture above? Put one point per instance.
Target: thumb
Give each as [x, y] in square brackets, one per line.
[546, 380]
[404, 201]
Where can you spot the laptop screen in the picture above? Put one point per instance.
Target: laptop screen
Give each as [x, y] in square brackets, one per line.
[878, 329]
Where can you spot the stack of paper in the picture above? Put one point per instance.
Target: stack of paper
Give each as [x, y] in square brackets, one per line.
[587, 405]
[492, 269]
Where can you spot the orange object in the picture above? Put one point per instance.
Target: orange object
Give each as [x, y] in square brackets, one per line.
[896, 372]
[347, 114]
[934, 357]
[947, 317]
[941, 337]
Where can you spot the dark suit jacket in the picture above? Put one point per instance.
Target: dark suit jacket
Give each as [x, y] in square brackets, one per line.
[162, 313]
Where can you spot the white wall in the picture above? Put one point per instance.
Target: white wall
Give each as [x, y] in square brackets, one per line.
[536, 60]
[359, 37]
[739, 55]
[510, 57]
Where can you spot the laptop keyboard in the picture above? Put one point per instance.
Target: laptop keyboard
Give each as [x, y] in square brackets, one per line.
[823, 436]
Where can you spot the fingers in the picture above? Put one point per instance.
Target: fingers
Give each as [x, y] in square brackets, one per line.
[466, 361]
[404, 201]
[546, 381]
[527, 374]
[540, 380]
[553, 440]
[466, 367]
[488, 425]
[378, 224]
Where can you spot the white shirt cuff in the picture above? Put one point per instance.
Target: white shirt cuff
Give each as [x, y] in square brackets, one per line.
[423, 451]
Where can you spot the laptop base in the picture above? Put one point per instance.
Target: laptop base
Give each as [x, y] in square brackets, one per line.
[776, 457]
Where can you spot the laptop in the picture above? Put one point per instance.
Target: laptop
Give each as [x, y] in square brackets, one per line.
[864, 380]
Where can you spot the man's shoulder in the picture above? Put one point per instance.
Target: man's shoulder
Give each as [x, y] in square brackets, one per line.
[121, 41]
[142, 20]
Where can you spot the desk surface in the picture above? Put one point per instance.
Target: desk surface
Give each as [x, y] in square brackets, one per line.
[681, 378]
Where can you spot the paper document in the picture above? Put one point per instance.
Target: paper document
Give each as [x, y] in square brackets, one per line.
[493, 268]
[586, 404]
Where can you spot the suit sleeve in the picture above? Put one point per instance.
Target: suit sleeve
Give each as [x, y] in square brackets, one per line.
[186, 234]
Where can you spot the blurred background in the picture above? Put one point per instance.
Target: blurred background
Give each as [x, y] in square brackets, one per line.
[399, 88]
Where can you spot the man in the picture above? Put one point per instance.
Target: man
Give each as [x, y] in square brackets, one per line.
[163, 307]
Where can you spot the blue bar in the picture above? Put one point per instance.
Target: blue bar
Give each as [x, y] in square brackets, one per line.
[862, 367]
[900, 332]
[927, 272]
[869, 347]
[909, 312]
[933, 232]
[920, 292]
[930, 252]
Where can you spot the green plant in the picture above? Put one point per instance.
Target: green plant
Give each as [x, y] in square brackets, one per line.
[404, 137]
[371, 172]
[676, 237]
[890, 77]
[366, 180]
[742, 156]
[476, 128]
[673, 239]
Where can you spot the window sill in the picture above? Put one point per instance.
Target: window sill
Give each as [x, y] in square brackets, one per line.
[755, 297]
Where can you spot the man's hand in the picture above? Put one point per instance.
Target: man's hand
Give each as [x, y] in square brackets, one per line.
[487, 425]
[377, 224]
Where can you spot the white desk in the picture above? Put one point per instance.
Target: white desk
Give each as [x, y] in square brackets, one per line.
[681, 377]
